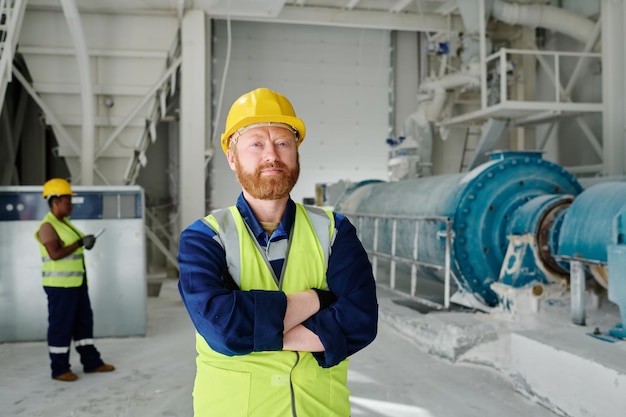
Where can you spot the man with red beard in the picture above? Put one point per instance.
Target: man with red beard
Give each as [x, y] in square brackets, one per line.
[281, 294]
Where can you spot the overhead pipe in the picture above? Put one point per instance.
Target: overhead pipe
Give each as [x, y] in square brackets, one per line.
[88, 132]
[469, 77]
[549, 17]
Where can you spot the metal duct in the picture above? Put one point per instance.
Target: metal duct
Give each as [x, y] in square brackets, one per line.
[557, 19]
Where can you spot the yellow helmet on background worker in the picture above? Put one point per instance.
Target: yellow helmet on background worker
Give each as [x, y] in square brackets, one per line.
[261, 106]
[57, 187]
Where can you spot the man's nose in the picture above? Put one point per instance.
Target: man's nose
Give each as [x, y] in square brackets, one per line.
[270, 153]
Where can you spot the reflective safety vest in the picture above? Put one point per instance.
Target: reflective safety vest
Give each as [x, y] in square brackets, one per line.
[272, 383]
[66, 272]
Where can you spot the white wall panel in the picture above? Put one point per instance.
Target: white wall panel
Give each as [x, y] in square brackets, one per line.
[337, 80]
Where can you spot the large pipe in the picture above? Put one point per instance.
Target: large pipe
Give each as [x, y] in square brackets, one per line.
[480, 205]
[549, 17]
[589, 223]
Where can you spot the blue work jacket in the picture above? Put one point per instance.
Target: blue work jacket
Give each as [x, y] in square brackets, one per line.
[344, 328]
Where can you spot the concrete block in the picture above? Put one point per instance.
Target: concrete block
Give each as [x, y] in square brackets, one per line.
[570, 372]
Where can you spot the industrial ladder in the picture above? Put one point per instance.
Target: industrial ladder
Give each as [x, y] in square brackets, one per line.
[479, 141]
[11, 17]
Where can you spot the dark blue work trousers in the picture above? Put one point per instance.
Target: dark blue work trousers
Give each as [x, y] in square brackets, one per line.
[70, 317]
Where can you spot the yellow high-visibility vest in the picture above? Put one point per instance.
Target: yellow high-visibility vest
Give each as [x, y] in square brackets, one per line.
[272, 383]
[67, 272]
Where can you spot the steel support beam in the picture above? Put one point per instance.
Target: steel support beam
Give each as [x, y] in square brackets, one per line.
[195, 114]
[613, 90]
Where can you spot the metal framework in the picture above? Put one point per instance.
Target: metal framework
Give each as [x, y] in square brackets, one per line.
[376, 254]
[11, 17]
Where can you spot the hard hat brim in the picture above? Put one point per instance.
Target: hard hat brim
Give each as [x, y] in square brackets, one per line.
[295, 122]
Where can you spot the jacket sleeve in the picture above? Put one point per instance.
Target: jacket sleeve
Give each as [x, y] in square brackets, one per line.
[351, 323]
[231, 322]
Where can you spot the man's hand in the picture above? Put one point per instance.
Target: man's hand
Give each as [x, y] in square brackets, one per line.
[301, 338]
[302, 305]
[326, 297]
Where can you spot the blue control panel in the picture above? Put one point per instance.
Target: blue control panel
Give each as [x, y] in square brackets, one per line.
[88, 205]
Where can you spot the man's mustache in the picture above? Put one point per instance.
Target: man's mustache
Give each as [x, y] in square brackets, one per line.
[275, 164]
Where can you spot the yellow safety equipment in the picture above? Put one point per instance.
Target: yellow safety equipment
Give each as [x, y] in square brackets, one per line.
[67, 272]
[261, 106]
[57, 186]
[278, 383]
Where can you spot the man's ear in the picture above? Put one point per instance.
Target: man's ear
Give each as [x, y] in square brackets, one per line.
[230, 157]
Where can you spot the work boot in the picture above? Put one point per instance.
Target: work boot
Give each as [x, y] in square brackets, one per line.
[105, 367]
[69, 376]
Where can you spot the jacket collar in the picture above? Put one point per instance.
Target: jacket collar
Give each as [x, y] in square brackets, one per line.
[283, 228]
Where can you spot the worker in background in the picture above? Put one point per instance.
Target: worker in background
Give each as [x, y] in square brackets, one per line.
[64, 277]
[281, 294]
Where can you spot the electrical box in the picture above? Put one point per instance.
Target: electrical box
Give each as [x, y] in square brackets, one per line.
[116, 265]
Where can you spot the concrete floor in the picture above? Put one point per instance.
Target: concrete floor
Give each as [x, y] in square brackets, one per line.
[394, 376]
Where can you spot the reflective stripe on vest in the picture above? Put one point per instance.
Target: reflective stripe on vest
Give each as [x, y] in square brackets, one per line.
[228, 230]
[272, 383]
[67, 272]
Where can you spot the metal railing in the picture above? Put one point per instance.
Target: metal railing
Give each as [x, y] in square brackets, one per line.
[499, 66]
[376, 254]
[11, 17]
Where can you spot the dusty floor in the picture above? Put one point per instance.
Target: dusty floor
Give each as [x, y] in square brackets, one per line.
[154, 376]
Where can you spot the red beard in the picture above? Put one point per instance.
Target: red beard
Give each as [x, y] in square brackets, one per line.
[268, 187]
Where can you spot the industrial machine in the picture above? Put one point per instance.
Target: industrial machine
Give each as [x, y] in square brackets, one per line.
[517, 221]
[116, 266]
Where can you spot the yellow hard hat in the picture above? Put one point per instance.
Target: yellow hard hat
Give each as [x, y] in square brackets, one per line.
[261, 106]
[57, 186]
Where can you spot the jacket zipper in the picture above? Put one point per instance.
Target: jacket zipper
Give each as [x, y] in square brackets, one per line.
[293, 395]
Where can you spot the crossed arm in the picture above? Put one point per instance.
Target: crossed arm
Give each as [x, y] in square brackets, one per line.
[239, 322]
[301, 306]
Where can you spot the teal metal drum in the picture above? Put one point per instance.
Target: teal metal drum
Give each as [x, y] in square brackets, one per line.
[480, 205]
